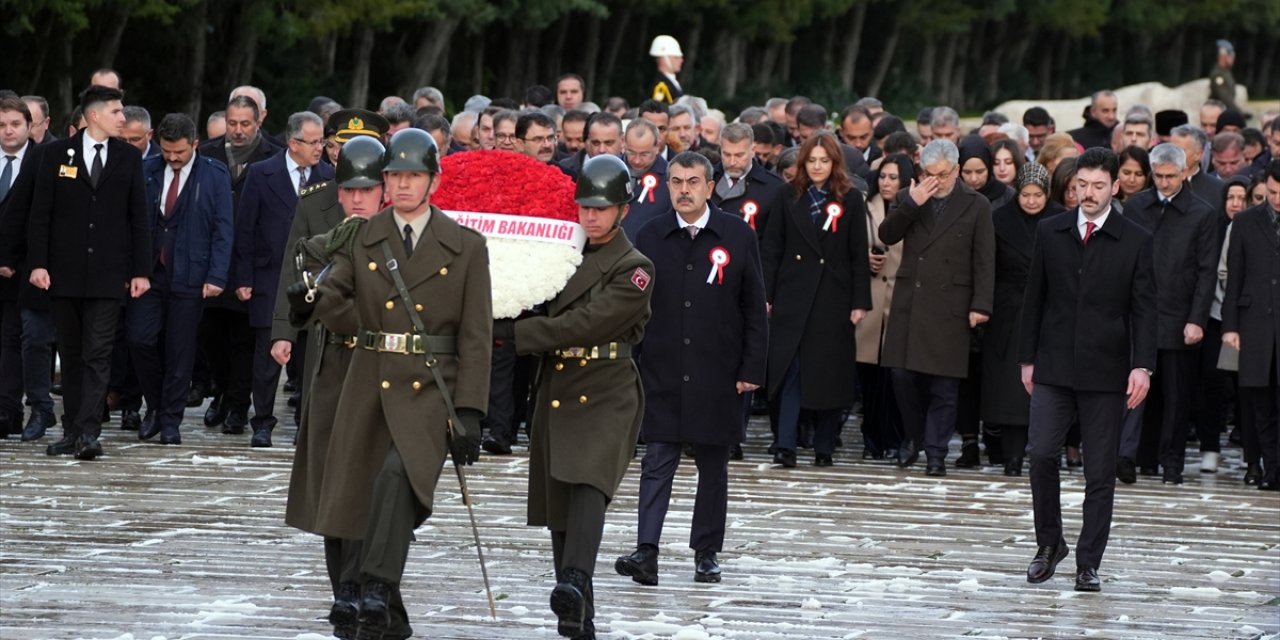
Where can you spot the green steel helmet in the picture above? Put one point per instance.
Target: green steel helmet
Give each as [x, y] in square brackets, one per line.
[603, 181]
[412, 150]
[360, 163]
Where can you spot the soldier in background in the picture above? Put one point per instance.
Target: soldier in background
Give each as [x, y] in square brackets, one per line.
[1222, 85]
[665, 89]
[589, 401]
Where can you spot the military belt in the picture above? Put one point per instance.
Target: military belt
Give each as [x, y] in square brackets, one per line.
[339, 339]
[609, 351]
[407, 343]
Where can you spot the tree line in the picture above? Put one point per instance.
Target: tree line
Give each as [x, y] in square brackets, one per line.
[185, 55]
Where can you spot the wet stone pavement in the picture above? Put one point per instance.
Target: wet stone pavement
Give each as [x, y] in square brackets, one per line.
[153, 542]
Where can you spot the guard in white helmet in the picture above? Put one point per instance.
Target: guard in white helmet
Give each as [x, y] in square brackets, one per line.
[665, 89]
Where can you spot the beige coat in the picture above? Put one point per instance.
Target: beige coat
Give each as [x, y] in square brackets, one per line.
[390, 398]
[870, 332]
[587, 412]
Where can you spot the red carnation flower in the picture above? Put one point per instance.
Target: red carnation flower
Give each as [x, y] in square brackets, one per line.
[504, 182]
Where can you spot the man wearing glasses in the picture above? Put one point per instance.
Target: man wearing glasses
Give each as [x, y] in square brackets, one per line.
[504, 130]
[536, 136]
[267, 202]
[39, 107]
[642, 148]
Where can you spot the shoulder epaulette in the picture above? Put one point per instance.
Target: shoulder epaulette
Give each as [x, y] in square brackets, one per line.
[306, 191]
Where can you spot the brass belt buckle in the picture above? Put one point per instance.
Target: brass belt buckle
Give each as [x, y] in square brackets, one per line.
[349, 342]
[394, 343]
[573, 352]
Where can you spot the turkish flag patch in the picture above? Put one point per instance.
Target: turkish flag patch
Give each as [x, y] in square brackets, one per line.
[640, 279]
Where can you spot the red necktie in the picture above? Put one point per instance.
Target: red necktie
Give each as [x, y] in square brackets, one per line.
[170, 204]
[1088, 231]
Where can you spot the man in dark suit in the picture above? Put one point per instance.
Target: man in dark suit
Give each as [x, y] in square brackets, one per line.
[604, 135]
[1251, 326]
[15, 151]
[1194, 141]
[744, 187]
[704, 347]
[89, 246]
[642, 147]
[1087, 341]
[1186, 247]
[263, 220]
[945, 288]
[224, 360]
[191, 229]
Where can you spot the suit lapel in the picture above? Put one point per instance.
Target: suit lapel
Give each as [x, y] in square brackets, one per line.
[280, 182]
[949, 217]
[1264, 226]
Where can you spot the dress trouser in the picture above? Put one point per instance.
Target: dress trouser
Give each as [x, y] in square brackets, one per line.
[578, 545]
[1167, 411]
[500, 419]
[710, 507]
[86, 330]
[266, 379]
[928, 405]
[11, 383]
[791, 412]
[881, 421]
[226, 347]
[1209, 409]
[1261, 428]
[164, 351]
[1053, 409]
[393, 513]
[124, 377]
[38, 337]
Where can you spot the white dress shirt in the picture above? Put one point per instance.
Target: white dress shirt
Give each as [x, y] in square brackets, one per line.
[700, 223]
[183, 174]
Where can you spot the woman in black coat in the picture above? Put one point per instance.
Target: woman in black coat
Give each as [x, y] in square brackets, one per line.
[1005, 403]
[818, 284]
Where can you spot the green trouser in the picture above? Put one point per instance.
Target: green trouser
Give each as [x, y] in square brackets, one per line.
[578, 545]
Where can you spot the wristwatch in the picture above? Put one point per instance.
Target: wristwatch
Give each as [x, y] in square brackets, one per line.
[1150, 373]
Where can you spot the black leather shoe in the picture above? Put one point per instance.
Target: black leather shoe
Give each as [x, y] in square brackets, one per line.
[569, 602]
[150, 427]
[1171, 477]
[1148, 471]
[1270, 483]
[1013, 467]
[641, 565]
[237, 419]
[936, 467]
[908, 453]
[1087, 579]
[290, 386]
[64, 447]
[195, 396]
[822, 460]
[496, 447]
[293, 401]
[374, 617]
[344, 615]
[969, 458]
[1126, 470]
[88, 448]
[1045, 563]
[1073, 458]
[785, 457]
[216, 413]
[130, 420]
[171, 436]
[736, 452]
[261, 438]
[9, 424]
[706, 568]
[39, 423]
[1253, 475]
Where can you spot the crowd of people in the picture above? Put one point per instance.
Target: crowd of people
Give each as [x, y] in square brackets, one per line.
[883, 265]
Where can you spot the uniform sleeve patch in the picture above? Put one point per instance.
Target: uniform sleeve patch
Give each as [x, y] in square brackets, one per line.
[640, 279]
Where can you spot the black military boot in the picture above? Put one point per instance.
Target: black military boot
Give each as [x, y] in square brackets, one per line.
[569, 602]
[344, 615]
[641, 565]
[374, 618]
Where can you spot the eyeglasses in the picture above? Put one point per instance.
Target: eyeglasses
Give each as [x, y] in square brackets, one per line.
[541, 140]
[309, 143]
[939, 176]
[506, 137]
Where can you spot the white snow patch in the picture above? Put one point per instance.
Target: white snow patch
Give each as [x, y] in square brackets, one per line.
[519, 610]
[1196, 592]
[219, 460]
[147, 543]
[1219, 576]
[223, 611]
[969, 585]
[811, 603]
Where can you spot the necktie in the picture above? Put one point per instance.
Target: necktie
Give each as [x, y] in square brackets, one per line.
[302, 179]
[6, 176]
[1088, 231]
[692, 230]
[171, 197]
[95, 171]
[408, 239]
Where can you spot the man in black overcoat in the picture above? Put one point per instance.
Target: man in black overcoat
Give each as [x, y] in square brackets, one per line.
[1087, 342]
[89, 246]
[743, 187]
[704, 347]
[1250, 324]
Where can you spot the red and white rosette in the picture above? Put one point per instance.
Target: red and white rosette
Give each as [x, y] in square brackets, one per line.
[750, 209]
[650, 184]
[526, 211]
[834, 211]
[719, 257]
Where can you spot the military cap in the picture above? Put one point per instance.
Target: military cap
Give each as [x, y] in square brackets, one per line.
[349, 123]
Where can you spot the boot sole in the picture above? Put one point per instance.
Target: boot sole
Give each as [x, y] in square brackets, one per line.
[570, 608]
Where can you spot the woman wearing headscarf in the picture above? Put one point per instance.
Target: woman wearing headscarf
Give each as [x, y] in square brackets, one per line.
[976, 169]
[1005, 404]
[881, 422]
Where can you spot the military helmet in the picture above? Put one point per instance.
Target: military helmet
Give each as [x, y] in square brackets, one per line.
[603, 181]
[360, 163]
[412, 150]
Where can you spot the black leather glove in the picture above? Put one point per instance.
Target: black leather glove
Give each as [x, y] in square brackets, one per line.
[464, 442]
[298, 305]
[504, 330]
